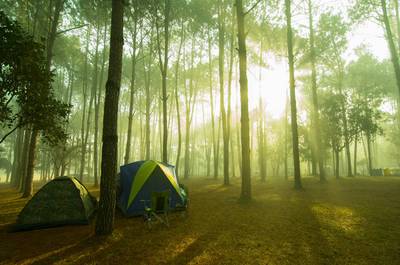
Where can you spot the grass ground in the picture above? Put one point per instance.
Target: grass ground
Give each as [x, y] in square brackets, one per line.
[346, 221]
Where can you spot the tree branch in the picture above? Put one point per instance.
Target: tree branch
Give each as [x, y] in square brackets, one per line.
[251, 8]
[10, 132]
[66, 30]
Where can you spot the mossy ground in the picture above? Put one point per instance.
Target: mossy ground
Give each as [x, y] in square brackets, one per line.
[346, 221]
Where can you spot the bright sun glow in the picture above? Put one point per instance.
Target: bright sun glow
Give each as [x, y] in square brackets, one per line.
[272, 87]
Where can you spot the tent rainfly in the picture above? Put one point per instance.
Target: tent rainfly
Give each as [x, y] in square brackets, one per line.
[139, 179]
[62, 201]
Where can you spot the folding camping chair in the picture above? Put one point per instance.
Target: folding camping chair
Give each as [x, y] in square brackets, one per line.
[158, 209]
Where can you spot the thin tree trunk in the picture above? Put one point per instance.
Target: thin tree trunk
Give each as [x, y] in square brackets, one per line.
[337, 175]
[17, 157]
[188, 106]
[261, 125]
[214, 144]
[177, 101]
[28, 188]
[286, 138]
[132, 90]
[97, 111]
[293, 108]
[345, 127]
[164, 71]
[245, 127]
[221, 68]
[83, 134]
[230, 73]
[105, 217]
[355, 154]
[148, 102]
[369, 154]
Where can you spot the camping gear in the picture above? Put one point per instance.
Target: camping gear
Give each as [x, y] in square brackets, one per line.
[62, 201]
[137, 182]
[158, 209]
[377, 172]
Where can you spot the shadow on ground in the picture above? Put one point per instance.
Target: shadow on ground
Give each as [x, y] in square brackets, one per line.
[346, 221]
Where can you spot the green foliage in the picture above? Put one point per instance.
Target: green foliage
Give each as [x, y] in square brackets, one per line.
[330, 40]
[332, 120]
[365, 116]
[365, 9]
[26, 94]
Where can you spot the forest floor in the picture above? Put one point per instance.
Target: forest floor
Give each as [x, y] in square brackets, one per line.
[345, 221]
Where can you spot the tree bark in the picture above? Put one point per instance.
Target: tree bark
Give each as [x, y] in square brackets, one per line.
[244, 102]
[221, 68]
[177, 101]
[261, 126]
[369, 154]
[355, 155]
[17, 163]
[132, 90]
[286, 138]
[230, 73]
[392, 46]
[214, 144]
[188, 116]
[84, 90]
[105, 218]
[164, 71]
[345, 127]
[293, 108]
[59, 5]
[97, 112]
[337, 175]
[28, 188]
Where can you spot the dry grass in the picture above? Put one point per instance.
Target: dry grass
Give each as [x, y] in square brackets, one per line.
[347, 221]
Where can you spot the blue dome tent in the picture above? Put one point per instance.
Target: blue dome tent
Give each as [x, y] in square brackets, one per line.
[139, 179]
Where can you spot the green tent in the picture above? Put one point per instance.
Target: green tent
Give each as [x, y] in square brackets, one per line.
[62, 201]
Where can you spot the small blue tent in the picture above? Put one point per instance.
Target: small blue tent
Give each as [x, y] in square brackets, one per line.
[139, 179]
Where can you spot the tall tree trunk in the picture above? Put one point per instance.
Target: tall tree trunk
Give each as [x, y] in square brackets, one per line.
[132, 92]
[189, 110]
[244, 102]
[293, 108]
[286, 138]
[164, 71]
[210, 71]
[177, 101]
[221, 68]
[230, 73]
[148, 101]
[92, 95]
[84, 88]
[261, 125]
[345, 127]
[105, 217]
[97, 111]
